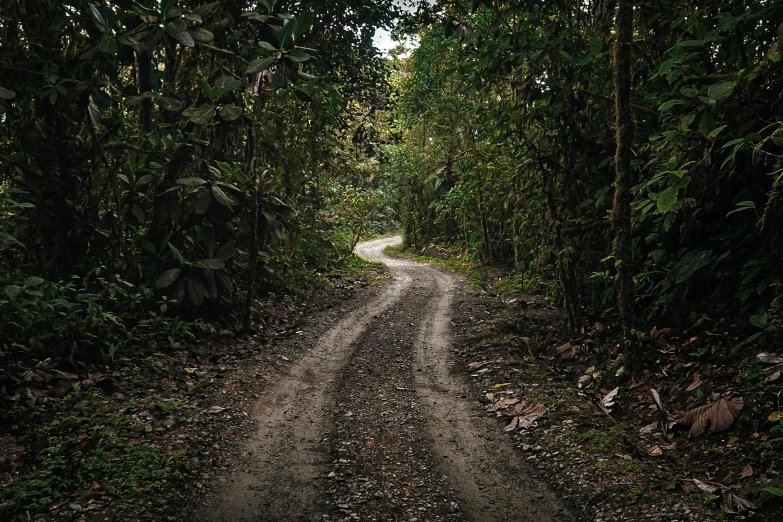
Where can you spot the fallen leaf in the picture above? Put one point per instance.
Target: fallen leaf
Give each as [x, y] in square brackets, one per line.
[503, 403]
[773, 377]
[707, 488]
[657, 399]
[650, 428]
[216, 409]
[695, 384]
[746, 472]
[502, 385]
[770, 358]
[190, 370]
[734, 504]
[607, 403]
[654, 451]
[775, 416]
[524, 416]
[717, 416]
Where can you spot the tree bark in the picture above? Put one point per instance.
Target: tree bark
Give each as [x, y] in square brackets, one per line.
[621, 211]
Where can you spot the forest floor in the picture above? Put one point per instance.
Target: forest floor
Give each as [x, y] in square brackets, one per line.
[419, 399]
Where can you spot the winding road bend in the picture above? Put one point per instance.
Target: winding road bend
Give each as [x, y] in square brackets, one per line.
[372, 425]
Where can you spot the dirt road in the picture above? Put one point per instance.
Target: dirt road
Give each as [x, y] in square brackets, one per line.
[371, 425]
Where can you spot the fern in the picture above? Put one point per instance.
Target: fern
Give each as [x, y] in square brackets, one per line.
[774, 491]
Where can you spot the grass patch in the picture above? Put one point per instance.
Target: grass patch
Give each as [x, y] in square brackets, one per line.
[610, 441]
[469, 270]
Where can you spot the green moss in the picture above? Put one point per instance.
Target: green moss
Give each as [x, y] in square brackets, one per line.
[610, 441]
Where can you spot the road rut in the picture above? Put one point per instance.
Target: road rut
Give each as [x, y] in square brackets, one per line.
[372, 425]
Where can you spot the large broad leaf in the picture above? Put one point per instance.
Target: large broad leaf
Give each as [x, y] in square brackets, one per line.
[298, 56]
[690, 263]
[185, 39]
[227, 84]
[191, 182]
[201, 35]
[203, 202]
[303, 23]
[713, 417]
[200, 115]
[262, 64]
[167, 279]
[168, 103]
[287, 32]
[210, 264]
[230, 112]
[176, 27]
[720, 90]
[221, 197]
[5, 94]
[667, 199]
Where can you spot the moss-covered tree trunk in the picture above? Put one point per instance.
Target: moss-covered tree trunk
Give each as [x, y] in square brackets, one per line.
[621, 211]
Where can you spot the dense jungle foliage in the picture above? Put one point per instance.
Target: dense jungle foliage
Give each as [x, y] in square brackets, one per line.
[507, 142]
[163, 161]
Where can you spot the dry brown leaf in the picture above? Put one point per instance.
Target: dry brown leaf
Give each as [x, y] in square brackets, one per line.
[525, 415]
[770, 358]
[654, 451]
[607, 403]
[773, 377]
[715, 416]
[657, 399]
[747, 471]
[706, 487]
[695, 384]
[734, 504]
[501, 404]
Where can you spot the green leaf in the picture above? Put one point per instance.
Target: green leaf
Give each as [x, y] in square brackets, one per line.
[685, 121]
[303, 23]
[690, 263]
[773, 491]
[742, 205]
[176, 27]
[13, 290]
[221, 197]
[191, 182]
[230, 112]
[721, 90]
[261, 64]
[200, 115]
[201, 35]
[5, 94]
[716, 132]
[100, 21]
[266, 46]
[669, 104]
[298, 56]
[288, 30]
[707, 124]
[167, 279]
[170, 104]
[32, 282]
[177, 254]
[667, 199]
[665, 66]
[209, 264]
[185, 39]
[227, 84]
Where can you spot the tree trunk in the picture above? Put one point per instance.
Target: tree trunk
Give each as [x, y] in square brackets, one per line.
[621, 211]
[143, 73]
[247, 323]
